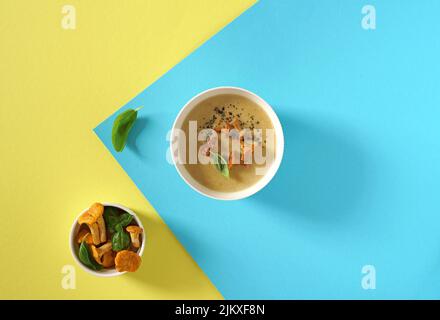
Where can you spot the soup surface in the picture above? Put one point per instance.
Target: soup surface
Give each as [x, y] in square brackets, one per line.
[230, 111]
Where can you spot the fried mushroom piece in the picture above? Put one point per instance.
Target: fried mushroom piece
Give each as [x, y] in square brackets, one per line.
[134, 232]
[97, 210]
[99, 252]
[127, 261]
[94, 230]
[108, 259]
[84, 235]
[94, 219]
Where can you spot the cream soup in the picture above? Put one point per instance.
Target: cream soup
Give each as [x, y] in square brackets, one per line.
[230, 111]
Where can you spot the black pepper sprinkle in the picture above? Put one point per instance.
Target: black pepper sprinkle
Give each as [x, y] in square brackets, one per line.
[225, 113]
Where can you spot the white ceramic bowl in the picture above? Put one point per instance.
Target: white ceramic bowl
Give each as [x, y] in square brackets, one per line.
[74, 247]
[279, 147]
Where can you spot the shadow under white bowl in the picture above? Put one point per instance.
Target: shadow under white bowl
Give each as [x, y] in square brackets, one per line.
[74, 246]
[279, 143]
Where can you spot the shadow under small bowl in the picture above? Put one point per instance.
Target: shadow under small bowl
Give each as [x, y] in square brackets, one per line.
[74, 246]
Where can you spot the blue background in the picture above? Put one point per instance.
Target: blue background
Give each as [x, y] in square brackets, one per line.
[360, 179]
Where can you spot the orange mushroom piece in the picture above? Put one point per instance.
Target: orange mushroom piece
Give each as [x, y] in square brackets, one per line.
[108, 259]
[236, 124]
[84, 235]
[134, 232]
[127, 260]
[99, 252]
[94, 219]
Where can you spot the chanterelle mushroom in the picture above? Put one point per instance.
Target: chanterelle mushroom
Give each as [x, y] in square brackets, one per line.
[108, 259]
[98, 252]
[84, 235]
[94, 219]
[127, 261]
[134, 231]
[94, 230]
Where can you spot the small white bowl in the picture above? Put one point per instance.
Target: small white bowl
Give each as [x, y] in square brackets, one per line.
[74, 247]
[279, 147]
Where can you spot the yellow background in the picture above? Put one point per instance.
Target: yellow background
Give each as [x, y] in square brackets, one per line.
[56, 85]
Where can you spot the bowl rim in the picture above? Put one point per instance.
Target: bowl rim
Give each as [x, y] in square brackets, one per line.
[111, 272]
[260, 184]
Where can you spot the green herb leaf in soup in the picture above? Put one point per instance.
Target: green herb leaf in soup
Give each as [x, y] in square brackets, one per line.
[121, 239]
[85, 258]
[220, 164]
[121, 128]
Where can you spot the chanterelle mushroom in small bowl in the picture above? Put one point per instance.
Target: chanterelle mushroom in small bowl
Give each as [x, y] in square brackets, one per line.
[107, 240]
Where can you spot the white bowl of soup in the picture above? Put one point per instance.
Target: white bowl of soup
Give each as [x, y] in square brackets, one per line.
[227, 143]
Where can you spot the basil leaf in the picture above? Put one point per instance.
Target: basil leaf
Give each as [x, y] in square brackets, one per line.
[114, 216]
[121, 128]
[86, 259]
[220, 164]
[111, 218]
[121, 239]
[125, 219]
